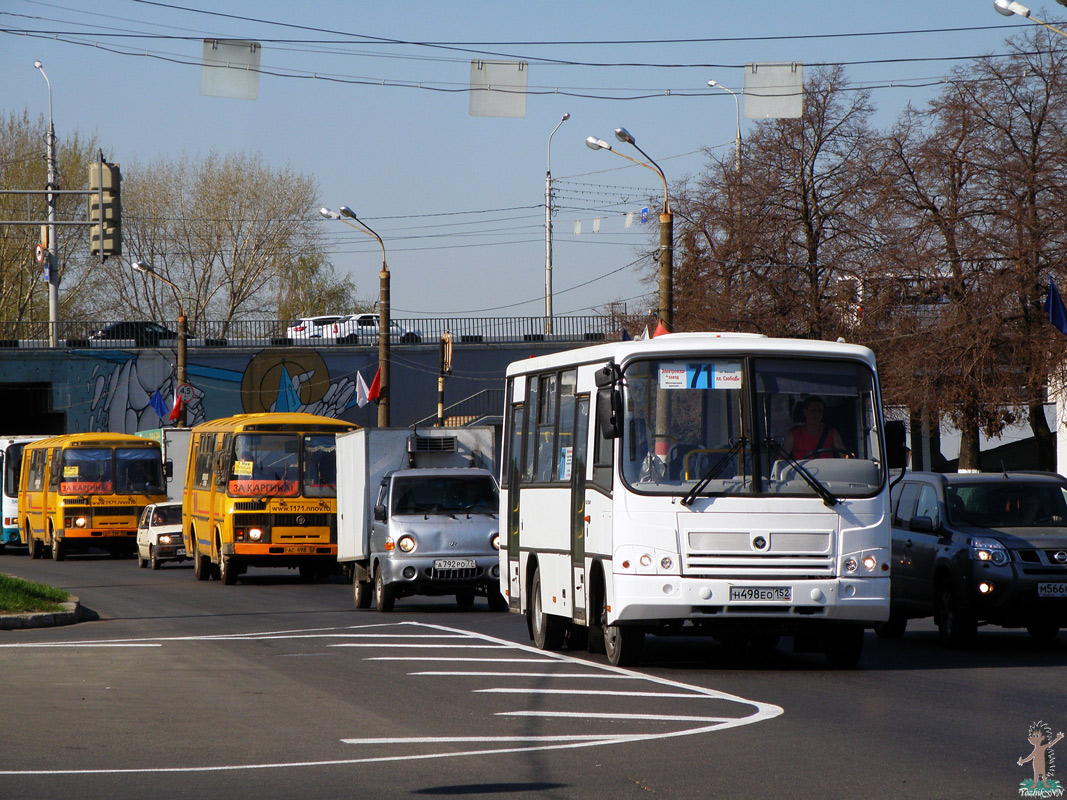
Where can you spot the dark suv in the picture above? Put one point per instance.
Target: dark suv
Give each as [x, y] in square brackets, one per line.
[143, 334]
[979, 548]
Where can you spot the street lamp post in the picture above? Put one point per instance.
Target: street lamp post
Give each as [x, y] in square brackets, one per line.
[146, 269]
[666, 225]
[53, 255]
[548, 229]
[737, 108]
[1010, 7]
[383, 309]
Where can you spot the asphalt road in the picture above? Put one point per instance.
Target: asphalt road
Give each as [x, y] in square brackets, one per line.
[274, 688]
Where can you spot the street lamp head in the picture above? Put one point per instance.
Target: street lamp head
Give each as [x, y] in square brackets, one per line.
[566, 116]
[142, 266]
[348, 212]
[594, 143]
[38, 65]
[329, 214]
[1010, 7]
[623, 135]
[713, 83]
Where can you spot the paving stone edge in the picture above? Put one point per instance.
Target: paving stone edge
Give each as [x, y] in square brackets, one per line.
[71, 613]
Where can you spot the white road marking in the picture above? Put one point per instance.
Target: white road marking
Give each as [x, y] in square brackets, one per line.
[524, 744]
[595, 693]
[607, 715]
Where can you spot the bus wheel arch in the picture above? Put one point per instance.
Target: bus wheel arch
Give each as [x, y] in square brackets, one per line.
[59, 551]
[597, 593]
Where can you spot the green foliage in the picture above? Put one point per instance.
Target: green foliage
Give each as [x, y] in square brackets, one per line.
[18, 596]
[312, 288]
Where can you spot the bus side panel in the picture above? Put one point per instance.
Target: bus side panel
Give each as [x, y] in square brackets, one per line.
[546, 527]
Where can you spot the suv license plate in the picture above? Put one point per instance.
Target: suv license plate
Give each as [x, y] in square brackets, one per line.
[1052, 590]
[454, 563]
[774, 594]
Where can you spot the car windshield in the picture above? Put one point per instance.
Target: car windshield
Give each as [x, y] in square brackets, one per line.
[451, 495]
[167, 515]
[1014, 504]
[701, 425]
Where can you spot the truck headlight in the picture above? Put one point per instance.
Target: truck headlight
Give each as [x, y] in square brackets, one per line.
[406, 543]
[495, 541]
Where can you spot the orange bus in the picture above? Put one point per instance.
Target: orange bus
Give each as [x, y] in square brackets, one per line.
[261, 491]
[87, 490]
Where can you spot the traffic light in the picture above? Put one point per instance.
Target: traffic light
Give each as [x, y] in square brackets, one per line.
[105, 209]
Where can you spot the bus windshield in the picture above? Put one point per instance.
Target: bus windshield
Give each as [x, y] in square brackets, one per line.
[284, 465]
[139, 470]
[87, 471]
[728, 425]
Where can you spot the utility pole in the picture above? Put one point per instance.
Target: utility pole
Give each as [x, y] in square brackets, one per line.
[53, 245]
[548, 229]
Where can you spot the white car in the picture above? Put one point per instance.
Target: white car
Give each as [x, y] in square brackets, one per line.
[363, 329]
[327, 326]
[159, 535]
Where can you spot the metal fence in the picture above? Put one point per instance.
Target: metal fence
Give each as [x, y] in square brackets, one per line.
[218, 333]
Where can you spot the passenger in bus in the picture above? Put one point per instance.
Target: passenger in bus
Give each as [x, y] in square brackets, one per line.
[813, 436]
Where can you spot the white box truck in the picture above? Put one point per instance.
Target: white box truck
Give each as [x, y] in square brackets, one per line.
[175, 445]
[417, 513]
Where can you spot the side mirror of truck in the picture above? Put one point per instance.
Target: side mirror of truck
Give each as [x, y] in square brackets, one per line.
[379, 513]
[168, 469]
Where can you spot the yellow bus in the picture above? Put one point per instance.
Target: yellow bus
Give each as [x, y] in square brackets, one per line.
[87, 490]
[261, 491]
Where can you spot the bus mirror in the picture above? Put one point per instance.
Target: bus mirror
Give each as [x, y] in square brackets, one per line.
[608, 408]
[606, 376]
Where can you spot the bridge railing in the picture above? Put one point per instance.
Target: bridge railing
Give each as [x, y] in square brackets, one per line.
[464, 330]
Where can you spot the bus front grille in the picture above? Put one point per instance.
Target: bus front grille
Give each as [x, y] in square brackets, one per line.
[745, 555]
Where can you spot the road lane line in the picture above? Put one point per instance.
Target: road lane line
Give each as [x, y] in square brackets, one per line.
[596, 692]
[577, 737]
[610, 715]
[530, 675]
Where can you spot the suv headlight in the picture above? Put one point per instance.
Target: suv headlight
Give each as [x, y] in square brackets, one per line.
[989, 551]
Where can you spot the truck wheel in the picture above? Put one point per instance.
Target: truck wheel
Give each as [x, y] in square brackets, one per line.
[362, 592]
[497, 601]
[546, 629]
[384, 595]
[465, 599]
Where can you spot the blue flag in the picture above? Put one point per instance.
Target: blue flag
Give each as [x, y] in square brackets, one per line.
[1057, 314]
[159, 405]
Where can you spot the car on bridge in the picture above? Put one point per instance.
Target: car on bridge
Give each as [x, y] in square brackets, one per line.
[141, 332]
[364, 328]
[971, 549]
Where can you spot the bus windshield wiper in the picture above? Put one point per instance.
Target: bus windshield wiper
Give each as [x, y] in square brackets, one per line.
[828, 497]
[713, 470]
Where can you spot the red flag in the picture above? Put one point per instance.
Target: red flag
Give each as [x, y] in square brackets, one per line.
[660, 329]
[375, 386]
[175, 411]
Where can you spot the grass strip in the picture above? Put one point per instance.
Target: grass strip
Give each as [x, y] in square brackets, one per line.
[20, 597]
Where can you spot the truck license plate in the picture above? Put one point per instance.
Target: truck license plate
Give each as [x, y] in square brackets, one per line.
[774, 594]
[1052, 590]
[454, 563]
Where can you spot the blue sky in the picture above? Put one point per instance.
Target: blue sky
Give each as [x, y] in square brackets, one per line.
[370, 99]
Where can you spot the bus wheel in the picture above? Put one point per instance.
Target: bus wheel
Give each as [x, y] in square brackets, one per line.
[384, 595]
[843, 645]
[622, 644]
[547, 629]
[201, 564]
[465, 599]
[362, 593]
[59, 552]
[228, 570]
[34, 550]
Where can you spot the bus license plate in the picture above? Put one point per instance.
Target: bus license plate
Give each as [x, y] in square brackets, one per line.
[454, 563]
[301, 550]
[1052, 590]
[774, 594]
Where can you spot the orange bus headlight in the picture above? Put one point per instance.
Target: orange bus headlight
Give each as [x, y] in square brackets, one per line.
[76, 522]
[255, 534]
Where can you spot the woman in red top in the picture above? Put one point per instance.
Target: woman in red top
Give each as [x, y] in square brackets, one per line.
[813, 436]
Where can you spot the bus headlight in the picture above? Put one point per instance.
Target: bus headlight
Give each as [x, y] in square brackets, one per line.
[255, 534]
[406, 543]
[81, 522]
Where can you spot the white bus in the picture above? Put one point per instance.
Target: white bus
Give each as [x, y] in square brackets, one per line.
[11, 467]
[674, 485]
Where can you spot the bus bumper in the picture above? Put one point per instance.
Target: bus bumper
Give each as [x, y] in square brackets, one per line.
[652, 598]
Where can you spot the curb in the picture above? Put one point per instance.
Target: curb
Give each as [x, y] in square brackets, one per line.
[71, 613]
